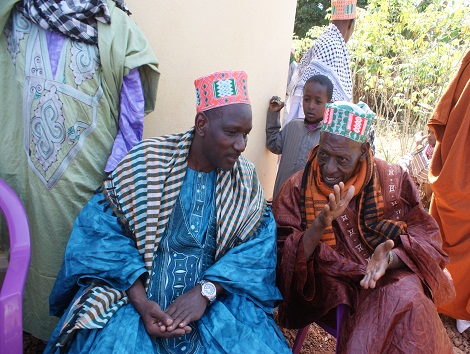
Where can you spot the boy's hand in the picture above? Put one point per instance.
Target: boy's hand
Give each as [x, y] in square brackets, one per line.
[275, 104]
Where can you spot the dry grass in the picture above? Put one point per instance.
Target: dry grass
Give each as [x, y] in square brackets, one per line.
[391, 141]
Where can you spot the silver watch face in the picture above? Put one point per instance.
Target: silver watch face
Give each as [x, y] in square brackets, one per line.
[208, 290]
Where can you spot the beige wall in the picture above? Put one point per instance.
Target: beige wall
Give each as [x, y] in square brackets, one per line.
[194, 38]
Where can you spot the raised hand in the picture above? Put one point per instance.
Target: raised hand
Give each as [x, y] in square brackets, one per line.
[378, 264]
[275, 104]
[337, 203]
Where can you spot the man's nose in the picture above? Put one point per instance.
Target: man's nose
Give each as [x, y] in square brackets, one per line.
[330, 167]
[240, 143]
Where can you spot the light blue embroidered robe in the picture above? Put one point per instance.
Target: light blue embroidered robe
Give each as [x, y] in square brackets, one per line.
[240, 321]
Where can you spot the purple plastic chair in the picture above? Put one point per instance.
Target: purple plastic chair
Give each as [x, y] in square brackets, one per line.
[11, 294]
[302, 332]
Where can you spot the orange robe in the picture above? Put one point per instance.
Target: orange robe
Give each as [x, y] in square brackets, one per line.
[449, 175]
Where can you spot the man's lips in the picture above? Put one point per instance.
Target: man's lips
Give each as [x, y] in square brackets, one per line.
[233, 157]
[330, 179]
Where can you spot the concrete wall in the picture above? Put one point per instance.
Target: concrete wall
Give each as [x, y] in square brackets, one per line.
[194, 38]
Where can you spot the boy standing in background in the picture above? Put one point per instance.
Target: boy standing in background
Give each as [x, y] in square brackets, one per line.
[295, 140]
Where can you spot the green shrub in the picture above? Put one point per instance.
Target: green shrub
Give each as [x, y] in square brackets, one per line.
[402, 58]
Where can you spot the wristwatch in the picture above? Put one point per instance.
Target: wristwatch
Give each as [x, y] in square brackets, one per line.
[208, 290]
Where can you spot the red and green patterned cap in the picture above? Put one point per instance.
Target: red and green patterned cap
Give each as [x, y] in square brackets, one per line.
[350, 120]
[220, 89]
[343, 9]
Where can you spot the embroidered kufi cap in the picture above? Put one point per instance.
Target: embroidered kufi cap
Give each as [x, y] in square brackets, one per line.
[343, 9]
[220, 89]
[350, 120]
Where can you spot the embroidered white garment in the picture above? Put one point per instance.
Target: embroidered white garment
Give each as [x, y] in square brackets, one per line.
[328, 56]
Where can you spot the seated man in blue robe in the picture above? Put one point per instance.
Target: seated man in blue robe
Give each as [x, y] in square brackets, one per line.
[176, 252]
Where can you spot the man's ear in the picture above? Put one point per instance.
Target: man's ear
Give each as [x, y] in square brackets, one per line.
[351, 23]
[200, 123]
[365, 147]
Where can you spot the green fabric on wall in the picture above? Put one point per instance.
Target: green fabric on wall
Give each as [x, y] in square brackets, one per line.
[53, 206]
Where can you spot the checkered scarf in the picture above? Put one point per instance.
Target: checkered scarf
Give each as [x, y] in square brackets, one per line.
[144, 188]
[329, 49]
[73, 18]
[142, 192]
[373, 228]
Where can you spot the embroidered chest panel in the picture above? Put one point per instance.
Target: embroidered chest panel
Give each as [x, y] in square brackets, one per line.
[60, 97]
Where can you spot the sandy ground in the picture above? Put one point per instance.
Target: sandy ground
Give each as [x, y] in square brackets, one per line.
[320, 342]
[317, 340]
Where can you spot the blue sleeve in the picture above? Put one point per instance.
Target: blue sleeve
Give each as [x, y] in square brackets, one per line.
[249, 269]
[97, 249]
